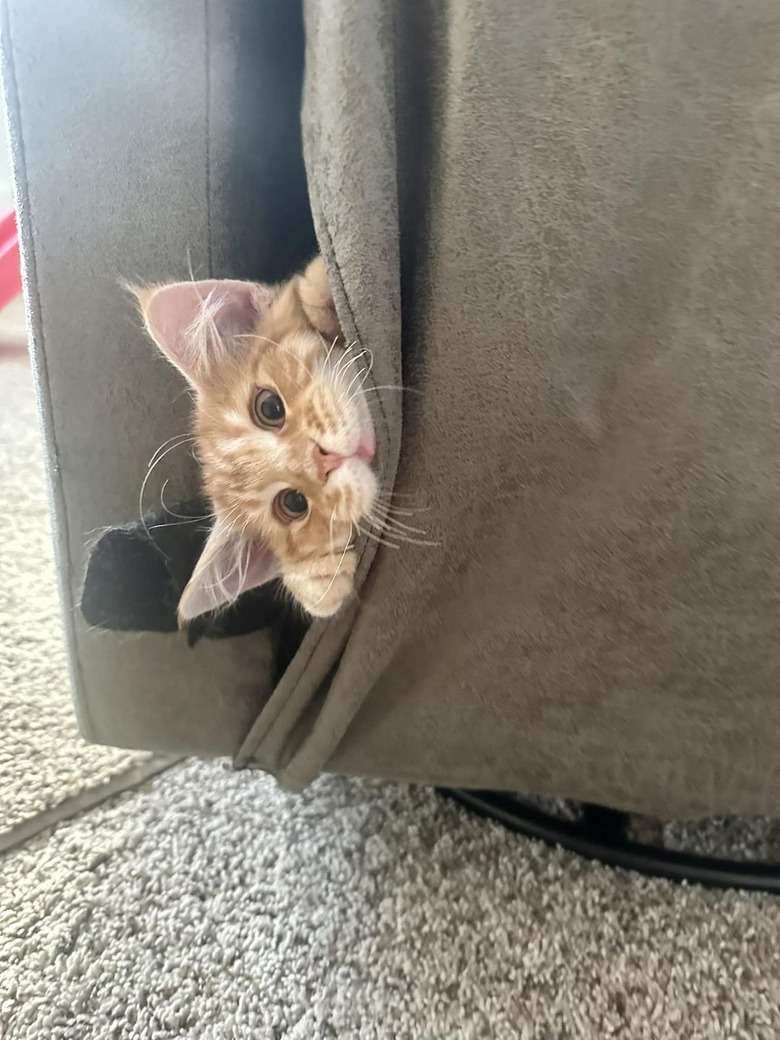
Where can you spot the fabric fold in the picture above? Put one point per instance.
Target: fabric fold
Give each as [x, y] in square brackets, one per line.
[559, 226]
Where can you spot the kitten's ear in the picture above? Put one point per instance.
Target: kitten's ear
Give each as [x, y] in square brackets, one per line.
[227, 567]
[199, 324]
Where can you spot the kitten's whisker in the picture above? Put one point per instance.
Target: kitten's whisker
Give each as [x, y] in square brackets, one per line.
[330, 348]
[330, 529]
[229, 521]
[368, 533]
[392, 509]
[170, 512]
[361, 377]
[348, 356]
[333, 370]
[233, 517]
[394, 522]
[326, 366]
[389, 386]
[387, 493]
[181, 516]
[400, 536]
[405, 510]
[157, 459]
[333, 367]
[385, 523]
[240, 565]
[337, 372]
[178, 523]
[348, 349]
[246, 545]
[331, 373]
[351, 397]
[351, 362]
[189, 265]
[338, 568]
[183, 436]
[409, 539]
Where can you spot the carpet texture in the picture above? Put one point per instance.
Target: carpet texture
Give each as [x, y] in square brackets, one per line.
[43, 760]
[211, 904]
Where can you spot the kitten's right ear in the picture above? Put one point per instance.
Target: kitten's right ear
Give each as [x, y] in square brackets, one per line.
[198, 325]
[228, 566]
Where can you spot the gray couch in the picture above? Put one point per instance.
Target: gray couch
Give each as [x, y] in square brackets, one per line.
[148, 140]
[559, 224]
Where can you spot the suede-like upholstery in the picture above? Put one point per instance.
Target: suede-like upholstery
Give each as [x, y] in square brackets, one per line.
[559, 225]
[149, 140]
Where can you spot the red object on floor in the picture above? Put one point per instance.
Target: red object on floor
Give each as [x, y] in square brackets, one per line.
[10, 270]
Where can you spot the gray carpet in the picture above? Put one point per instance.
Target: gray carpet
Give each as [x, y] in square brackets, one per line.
[43, 760]
[210, 904]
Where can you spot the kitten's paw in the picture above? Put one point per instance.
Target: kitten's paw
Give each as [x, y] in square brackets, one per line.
[323, 589]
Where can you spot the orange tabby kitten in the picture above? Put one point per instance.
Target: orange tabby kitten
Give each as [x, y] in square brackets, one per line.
[284, 436]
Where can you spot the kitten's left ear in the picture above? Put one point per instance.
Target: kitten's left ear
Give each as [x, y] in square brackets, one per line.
[227, 567]
[197, 325]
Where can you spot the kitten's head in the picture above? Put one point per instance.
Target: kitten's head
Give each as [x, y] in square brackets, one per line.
[284, 436]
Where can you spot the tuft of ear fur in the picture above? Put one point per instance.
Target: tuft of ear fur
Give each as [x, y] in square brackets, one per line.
[317, 299]
[228, 566]
[198, 325]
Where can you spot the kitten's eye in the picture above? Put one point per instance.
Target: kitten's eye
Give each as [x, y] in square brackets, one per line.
[290, 505]
[268, 410]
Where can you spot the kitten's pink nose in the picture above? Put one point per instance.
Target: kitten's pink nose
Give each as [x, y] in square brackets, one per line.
[327, 461]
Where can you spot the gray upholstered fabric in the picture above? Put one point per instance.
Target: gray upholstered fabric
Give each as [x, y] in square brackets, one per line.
[559, 223]
[586, 236]
[149, 139]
